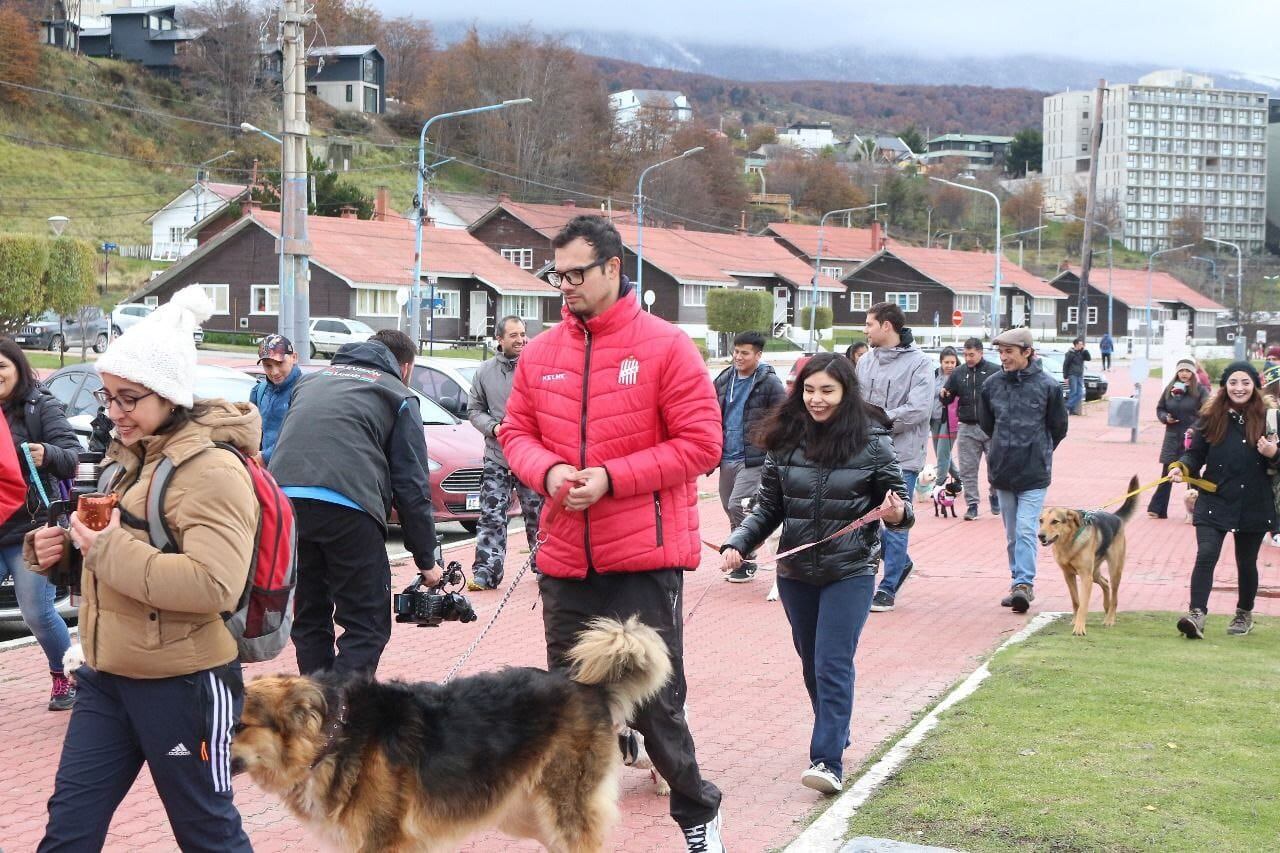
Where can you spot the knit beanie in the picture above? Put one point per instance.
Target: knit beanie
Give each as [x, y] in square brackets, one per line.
[159, 351]
[1185, 363]
[1239, 367]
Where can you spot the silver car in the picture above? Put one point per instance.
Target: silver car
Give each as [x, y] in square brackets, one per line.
[89, 327]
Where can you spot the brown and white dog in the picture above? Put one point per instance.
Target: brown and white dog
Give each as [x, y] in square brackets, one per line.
[398, 767]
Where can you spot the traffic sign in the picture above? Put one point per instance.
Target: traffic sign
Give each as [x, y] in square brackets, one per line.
[109, 247]
[437, 303]
[957, 318]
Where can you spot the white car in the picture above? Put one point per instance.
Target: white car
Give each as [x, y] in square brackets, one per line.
[127, 314]
[329, 333]
[445, 380]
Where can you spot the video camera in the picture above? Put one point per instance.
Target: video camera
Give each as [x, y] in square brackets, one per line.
[427, 608]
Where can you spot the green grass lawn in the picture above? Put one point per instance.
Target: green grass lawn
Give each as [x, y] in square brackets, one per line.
[1129, 739]
[49, 360]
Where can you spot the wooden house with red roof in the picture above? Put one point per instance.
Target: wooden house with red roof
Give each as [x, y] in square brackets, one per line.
[842, 248]
[1171, 298]
[357, 268]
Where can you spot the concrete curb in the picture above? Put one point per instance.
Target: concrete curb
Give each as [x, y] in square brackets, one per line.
[827, 833]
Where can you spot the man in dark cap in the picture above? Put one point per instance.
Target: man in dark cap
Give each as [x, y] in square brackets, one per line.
[280, 364]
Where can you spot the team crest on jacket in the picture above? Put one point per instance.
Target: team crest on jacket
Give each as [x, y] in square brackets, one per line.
[628, 371]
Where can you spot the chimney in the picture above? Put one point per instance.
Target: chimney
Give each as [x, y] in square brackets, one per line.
[742, 225]
[348, 211]
[249, 205]
[568, 202]
[503, 198]
[381, 203]
[877, 242]
[1064, 265]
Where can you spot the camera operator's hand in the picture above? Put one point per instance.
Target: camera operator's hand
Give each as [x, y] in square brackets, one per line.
[431, 576]
[49, 543]
[37, 453]
[593, 484]
[83, 537]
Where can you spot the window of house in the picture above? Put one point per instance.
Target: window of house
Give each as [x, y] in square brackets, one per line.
[969, 303]
[1043, 307]
[370, 99]
[522, 258]
[695, 295]
[804, 297]
[220, 296]
[153, 301]
[834, 272]
[176, 233]
[370, 69]
[349, 93]
[860, 300]
[264, 299]
[908, 302]
[524, 307]
[451, 304]
[377, 303]
[1073, 315]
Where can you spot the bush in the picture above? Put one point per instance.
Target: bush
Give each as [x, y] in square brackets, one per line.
[734, 311]
[705, 353]
[825, 317]
[351, 123]
[23, 261]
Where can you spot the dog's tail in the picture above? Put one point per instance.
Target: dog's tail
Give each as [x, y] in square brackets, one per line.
[628, 660]
[1131, 502]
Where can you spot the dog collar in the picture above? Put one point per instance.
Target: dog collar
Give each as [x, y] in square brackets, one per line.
[1086, 518]
[332, 729]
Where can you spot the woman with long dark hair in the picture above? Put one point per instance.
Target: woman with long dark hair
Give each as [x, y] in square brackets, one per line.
[36, 419]
[1179, 410]
[1234, 449]
[830, 460]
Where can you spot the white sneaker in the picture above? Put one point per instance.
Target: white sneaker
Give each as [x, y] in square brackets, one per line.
[820, 779]
[705, 838]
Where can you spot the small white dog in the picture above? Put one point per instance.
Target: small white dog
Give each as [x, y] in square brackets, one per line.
[72, 660]
[924, 481]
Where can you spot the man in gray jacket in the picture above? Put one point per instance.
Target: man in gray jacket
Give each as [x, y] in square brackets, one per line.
[896, 376]
[490, 390]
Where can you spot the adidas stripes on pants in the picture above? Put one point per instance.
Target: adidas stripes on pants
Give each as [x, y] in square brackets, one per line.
[181, 727]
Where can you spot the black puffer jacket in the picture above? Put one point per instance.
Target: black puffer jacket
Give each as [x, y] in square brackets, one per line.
[1243, 500]
[61, 456]
[964, 382]
[766, 391]
[1185, 409]
[811, 502]
[1025, 416]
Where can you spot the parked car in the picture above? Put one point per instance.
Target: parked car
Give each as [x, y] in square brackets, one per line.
[52, 332]
[1095, 385]
[329, 333]
[447, 381]
[127, 314]
[455, 460]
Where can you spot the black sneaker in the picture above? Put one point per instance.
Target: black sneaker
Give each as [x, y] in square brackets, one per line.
[1192, 625]
[906, 573]
[1007, 601]
[971, 514]
[995, 505]
[1021, 597]
[882, 602]
[743, 574]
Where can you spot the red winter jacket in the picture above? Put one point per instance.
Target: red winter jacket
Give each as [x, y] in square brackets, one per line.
[13, 488]
[627, 391]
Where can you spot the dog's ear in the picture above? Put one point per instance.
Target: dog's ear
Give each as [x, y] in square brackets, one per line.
[305, 703]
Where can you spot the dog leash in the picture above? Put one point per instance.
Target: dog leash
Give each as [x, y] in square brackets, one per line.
[1201, 484]
[557, 507]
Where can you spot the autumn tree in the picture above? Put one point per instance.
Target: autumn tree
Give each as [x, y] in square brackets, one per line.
[762, 134]
[408, 44]
[225, 63]
[19, 55]
[1022, 209]
[706, 187]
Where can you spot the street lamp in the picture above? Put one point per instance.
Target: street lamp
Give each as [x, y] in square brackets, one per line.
[1150, 265]
[284, 319]
[1239, 293]
[995, 291]
[640, 218]
[817, 265]
[420, 202]
[1019, 233]
[1111, 262]
[58, 224]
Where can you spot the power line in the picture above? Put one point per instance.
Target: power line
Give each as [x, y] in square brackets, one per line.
[123, 107]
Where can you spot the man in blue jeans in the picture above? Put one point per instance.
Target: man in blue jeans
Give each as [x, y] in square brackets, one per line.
[1073, 372]
[896, 376]
[1021, 409]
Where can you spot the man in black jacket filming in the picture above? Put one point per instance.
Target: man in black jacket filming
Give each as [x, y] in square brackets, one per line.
[351, 443]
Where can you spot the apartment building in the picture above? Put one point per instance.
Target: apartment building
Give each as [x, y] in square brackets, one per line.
[1175, 152]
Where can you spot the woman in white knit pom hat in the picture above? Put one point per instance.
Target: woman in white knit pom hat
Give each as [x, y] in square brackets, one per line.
[161, 682]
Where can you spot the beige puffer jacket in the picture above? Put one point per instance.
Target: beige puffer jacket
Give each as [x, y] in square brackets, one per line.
[147, 614]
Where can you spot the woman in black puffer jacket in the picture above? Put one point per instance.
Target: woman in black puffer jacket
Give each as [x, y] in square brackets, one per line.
[1179, 410]
[830, 460]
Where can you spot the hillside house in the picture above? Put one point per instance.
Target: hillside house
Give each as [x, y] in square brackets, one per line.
[809, 137]
[147, 35]
[195, 205]
[351, 78]
[630, 106]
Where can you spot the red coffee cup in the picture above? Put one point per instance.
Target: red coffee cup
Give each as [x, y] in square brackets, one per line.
[95, 510]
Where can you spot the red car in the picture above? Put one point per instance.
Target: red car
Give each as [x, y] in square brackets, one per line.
[796, 368]
[455, 460]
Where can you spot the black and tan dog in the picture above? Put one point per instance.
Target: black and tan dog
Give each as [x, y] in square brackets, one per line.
[1082, 541]
[398, 767]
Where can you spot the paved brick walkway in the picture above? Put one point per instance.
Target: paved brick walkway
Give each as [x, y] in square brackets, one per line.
[750, 715]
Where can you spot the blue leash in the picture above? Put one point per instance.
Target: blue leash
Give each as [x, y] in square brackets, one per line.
[35, 475]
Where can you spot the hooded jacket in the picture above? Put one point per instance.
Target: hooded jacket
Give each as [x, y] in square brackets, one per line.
[1024, 413]
[273, 404]
[900, 381]
[812, 502]
[764, 392]
[61, 456]
[148, 614]
[1185, 410]
[1243, 500]
[487, 402]
[627, 391]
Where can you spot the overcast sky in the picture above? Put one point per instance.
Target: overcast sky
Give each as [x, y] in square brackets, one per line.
[1221, 35]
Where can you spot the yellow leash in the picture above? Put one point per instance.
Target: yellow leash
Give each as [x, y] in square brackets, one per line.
[1195, 482]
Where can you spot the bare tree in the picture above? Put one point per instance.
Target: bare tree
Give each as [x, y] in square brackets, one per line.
[408, 44]
[226, 62]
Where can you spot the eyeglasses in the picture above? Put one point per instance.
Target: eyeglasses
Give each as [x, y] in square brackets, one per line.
[126, 402]
[574, 277]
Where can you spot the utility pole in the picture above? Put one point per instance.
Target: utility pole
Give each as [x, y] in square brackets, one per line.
[295, 284]
[1086, 249]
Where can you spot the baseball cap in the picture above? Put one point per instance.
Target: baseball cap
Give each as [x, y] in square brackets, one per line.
[1273, 351]
[1014, 337]
[274, 346]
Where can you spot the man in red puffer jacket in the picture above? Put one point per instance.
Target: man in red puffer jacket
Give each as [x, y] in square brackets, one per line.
[618, 403]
